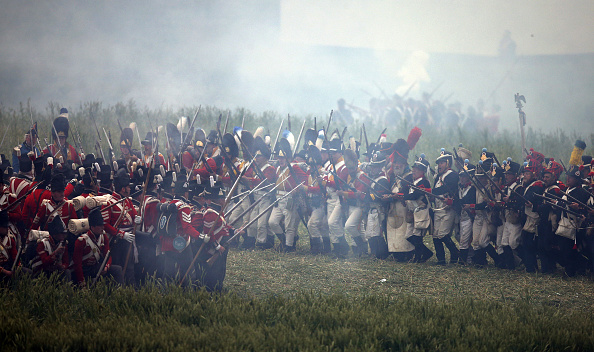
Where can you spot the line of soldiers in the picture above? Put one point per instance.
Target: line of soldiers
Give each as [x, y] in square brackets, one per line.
[175, 217]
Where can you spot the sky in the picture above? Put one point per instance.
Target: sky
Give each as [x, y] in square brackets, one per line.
[301, 56]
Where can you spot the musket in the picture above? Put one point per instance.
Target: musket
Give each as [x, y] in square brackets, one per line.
[214, 225]
[563, 164]
[108, 143]
[299, 138]
[112, 156]
[59, 143]
[522, 115]
[316, 124]
[2, 143]
[353, 189]
[101, 267]
[242, 121]
[138, 135]
[46, 145]
[343, 133]
[233, 171]
[329, 120]
[436, 88]
[377, 183]
[409, 89]
[413, 186]
[289, 122]
[366, 141]
[550, 201]
[256, 202]
[77, 138]
[98, 135]
[191, 127]
[257, 188]
[252, 157]
[216, 255]
[476, 182]
[576, 200]
[226, 124]
[276, 139]
[34, 125]
[380, 135]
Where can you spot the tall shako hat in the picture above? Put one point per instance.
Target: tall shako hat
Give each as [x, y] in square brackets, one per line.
[511, 167]
[444, 156]
[230, 145]
[126, 138]
[149, 139]
[95, 217]
[553, 168]
[121, 179]
[58, 183]
[62, 126]
[421, 163]
[56, 226]
[378, 159]
[283, 149]
[470, 169]
[260, 148]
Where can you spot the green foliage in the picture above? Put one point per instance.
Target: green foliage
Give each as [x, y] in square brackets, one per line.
[360, 314]
[557, 144]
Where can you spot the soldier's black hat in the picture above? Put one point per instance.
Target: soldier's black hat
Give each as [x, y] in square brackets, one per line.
[325, 147]
[58, 182]
[89, 160]
[483, 167]
[248, 140]
[121, 179]
[444, 156]
[511, 167]
[181, 184]
[173, 133]
[25, 163]
[230, 146]
[126, 138]
[283, 149]
[335, 146]
[149, 139]
[38, 165]
[470, 169]
[260, 148]
[56, 226]
[313, 156]
[62, 126]
[95, 217]
[577, 172]
[212, 137]
[167, 184]
[213, 193]
[309, 137]
[300, 154]
[378, 159]
[200, 138]
[105, 176]
[421, 163]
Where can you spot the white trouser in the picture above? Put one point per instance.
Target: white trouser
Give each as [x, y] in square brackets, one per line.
[374, 220]
[288, 212]
[318, 223]
[335, 219]
[353, 224]
[238, 211]
[443, 222]
[465, 232]
[499, 239]
[480, 230]
[260, 229]
[511, 234]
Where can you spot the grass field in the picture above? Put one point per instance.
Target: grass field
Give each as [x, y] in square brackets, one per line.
[297, 301]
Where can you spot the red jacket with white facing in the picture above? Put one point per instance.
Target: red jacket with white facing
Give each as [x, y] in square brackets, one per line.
[187, 223]
[120, 217]
[88, 251]
[65, 211]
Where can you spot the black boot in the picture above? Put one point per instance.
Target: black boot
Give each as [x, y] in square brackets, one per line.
[439, 251]
[463, 260]
[493, 254]
[248, 243]
[373, 245]
[316, 245]
[289, 249]
[418, 252]
[382, 248]
[327, 245]
[266, 245]
[508, 258]
[281, 237]
[480, 257]
[341, 249]
[360, 247]
[452, 248]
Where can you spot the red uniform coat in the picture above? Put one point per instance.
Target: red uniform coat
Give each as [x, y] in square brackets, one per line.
[66, 212]
[72, 154]
[86, 252]
[188, 223]
[119, 217]
[46, 259]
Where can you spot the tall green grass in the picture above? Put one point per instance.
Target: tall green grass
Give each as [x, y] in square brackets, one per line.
[47, 315]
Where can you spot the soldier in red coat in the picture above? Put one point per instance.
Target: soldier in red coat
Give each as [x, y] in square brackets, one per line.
[51, 254]
[215, 232]
[119, 221]
[61, 148]
[57, 205]
[8, 248]
[90, 251]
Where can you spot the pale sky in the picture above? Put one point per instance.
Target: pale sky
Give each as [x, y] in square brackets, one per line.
[539, 27]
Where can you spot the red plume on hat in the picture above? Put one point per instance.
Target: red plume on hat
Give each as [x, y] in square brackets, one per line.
[413, 137]
[554, 168]
[401, 148]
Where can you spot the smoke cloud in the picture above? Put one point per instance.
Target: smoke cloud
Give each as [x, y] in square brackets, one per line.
[296, 57]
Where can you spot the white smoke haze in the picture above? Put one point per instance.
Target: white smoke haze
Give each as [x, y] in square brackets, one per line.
[300, 57]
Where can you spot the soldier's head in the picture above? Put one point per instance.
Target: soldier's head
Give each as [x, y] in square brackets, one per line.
[419, 167]
[121, 182]
[57, 185]
[31, 136]
[575, 176]
[335, 150]
[57, 229]
[444, 161]
[96, 224]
